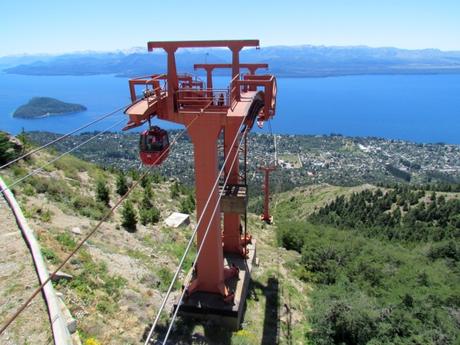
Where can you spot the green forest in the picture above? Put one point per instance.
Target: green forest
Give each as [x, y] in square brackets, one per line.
[384, 265]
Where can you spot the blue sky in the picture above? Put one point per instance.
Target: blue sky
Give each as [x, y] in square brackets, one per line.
[47, 26]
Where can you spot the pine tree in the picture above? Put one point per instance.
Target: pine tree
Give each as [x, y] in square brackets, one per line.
[147, 198]
[121, 184]
[175, 190]
[102, 192]
[148, 212]
[134, 174]
[156, 177]
[149, 215]
[187, 204]
[146, 181]
[6, 149]
[129, 217]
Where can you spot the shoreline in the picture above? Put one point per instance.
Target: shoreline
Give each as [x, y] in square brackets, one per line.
[46, 115]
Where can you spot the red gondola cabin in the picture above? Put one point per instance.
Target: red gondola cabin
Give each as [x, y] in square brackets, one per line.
[153, 146]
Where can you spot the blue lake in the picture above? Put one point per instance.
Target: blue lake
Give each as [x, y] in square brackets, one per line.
[421, 108]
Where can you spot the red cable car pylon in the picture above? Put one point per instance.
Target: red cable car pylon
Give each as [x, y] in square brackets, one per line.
[178, 98]
[266, 217]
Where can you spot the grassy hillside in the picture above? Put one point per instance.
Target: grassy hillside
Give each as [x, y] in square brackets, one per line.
[121, 274]
[339, 266]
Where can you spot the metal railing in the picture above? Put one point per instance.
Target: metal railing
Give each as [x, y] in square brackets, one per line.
[193, 99]
[192, 96]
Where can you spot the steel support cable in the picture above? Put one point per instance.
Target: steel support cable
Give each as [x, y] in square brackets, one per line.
[80, 244]
[200, 248]
[192, 237]
[63, 137]
[36, 171]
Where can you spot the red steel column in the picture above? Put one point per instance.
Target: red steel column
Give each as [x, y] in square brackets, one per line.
[209, 77]
[173, 84]
[236, 67]
[210, 265]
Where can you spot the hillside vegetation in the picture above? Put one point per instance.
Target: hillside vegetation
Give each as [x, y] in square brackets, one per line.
[121, 274]
[341, 265]
[384, 264]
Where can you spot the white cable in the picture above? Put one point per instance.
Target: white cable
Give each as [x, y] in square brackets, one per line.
[62, 137]
[34, 172]
[88, 235]
[192, 237]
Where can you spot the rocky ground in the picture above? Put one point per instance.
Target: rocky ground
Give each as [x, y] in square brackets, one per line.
[18, 279]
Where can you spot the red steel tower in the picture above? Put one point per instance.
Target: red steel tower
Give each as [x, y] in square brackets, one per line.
[183, 99]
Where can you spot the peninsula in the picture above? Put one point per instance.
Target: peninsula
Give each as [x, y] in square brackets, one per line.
[39, 107]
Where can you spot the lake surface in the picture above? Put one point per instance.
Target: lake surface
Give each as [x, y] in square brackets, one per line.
[421, 108]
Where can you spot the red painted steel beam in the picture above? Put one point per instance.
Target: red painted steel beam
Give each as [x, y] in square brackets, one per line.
[250, 66]
[171, 46]
[202, 44]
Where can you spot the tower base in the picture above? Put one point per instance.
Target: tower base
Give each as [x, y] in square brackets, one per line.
[208, 306]
[268, 220]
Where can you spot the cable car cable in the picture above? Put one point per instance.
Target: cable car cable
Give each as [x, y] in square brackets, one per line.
[36, 171]
[80, 244]
[62, 137]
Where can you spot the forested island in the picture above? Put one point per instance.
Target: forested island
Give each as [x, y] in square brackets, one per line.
[46, 106]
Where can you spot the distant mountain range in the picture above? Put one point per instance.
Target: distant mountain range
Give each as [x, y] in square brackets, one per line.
[284, 61]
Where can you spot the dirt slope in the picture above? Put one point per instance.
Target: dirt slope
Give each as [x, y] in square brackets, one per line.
[17, 281]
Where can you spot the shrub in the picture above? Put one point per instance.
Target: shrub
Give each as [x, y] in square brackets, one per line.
[165, 277]
[146, 181]
[121, 184]
[88, 207]
[175, 190]
[60, 192]
[28, 190]
[187, 204]
[7, 151]
[344, 316]
[291, 235]
[45, 215]
[71, 166]
[102, 192]
[49, 255]
[149, 215]
[129, 217]
[66, 240]
[445, 250]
